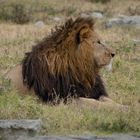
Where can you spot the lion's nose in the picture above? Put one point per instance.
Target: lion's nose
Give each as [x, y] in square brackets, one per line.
[112, 54]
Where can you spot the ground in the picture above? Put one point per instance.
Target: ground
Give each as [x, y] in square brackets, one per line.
[122, 83]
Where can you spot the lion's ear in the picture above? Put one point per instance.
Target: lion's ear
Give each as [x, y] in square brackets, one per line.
[83, 33]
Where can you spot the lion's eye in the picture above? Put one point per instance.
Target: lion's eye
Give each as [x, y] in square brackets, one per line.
[98, 41]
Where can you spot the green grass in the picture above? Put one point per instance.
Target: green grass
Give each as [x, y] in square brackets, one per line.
[122, 85]
[68, 119]
[34, 10]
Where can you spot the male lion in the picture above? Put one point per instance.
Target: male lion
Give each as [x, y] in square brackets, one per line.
[65, 64]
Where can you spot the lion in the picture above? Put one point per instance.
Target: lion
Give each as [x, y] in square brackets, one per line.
[66, 64]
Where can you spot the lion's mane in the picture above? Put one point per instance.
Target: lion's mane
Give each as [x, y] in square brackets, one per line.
[59, 67]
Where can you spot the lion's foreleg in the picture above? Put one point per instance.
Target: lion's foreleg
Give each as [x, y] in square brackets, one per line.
[105, 102]
[89, 102]
[109, 101]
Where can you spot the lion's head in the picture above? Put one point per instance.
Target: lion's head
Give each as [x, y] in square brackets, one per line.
[71, 55]
[100, 53]
[78, 49]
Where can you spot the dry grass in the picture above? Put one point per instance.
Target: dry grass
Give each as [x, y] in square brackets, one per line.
[46, 9]
[122, 83]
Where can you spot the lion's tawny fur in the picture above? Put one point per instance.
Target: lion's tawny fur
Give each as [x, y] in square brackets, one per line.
[63, 64]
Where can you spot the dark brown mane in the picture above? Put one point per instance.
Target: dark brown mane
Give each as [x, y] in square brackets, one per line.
[57, 67]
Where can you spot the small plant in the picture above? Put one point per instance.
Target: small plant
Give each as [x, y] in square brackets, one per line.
[4, 85]
[5, 13]
[20, 14]
[15, 12]
[101, 1]
[70, 11]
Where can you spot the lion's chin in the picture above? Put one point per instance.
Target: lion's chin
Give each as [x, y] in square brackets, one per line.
[109, 66]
